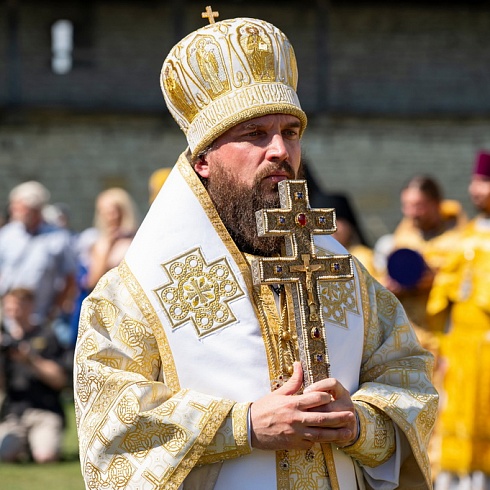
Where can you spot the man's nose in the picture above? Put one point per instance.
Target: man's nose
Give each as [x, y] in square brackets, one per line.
[277, 148]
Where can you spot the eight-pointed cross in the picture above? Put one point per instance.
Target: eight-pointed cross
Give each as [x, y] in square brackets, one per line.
[300, 266]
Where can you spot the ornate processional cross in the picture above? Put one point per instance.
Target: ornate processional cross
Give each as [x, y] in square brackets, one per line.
[209, 14]
[302, 269]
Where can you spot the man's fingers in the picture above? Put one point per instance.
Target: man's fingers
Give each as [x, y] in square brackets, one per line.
[338, 436]
[334, 420]
[330, 385]
[294, 383]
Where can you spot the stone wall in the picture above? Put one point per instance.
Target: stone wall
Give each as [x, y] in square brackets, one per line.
[384, 58]
[369, 158]
[392, 89]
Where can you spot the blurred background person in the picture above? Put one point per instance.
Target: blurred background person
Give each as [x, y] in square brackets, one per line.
[416, 250]
[58, 215]
[33, 376]
[36, 255]
[156, 180]
[116, 220]
[460, 302]
[418, 247]
[102, 246]
[84, 242]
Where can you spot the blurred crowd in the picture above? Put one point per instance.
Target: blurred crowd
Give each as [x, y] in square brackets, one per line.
[46, 270]
[436, 261]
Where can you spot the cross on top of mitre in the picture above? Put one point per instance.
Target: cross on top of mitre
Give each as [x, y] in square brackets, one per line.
[209, 14]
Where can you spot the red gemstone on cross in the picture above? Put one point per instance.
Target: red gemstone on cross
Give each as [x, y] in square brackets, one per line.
[301, 219]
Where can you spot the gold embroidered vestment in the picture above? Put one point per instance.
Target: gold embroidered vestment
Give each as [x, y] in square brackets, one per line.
[142, 418]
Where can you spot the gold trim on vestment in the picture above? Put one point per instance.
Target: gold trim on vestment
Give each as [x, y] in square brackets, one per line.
[376, 442]
[216, 416]
[362, 272]
[383, 403]
[232, 440]
[405, 426]
[240, 426]
[202, 195]
[330, 462]
[171, 378]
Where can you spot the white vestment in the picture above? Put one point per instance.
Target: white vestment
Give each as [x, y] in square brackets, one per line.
[173, 346]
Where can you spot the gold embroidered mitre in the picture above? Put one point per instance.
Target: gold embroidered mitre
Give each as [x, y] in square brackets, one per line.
[228, 72]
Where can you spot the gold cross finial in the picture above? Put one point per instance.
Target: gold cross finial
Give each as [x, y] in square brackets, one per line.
[209, 14]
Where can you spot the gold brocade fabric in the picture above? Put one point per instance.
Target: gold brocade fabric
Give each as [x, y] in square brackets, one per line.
[308, 470]
[129, 420]
[139, 428]
[462, 291]
[120, 396]
[395, 379]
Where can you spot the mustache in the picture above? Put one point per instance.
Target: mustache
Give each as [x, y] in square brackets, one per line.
[275, 167]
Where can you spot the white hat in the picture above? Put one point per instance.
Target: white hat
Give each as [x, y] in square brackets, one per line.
[226, 73]
[31, 193]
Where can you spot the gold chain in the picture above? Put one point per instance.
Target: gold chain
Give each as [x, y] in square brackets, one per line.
[280, 338]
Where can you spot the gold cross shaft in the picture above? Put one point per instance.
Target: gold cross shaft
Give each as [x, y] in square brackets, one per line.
[209, 14]
[301, 269]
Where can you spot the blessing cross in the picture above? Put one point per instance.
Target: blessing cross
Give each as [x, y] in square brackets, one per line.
[209, 14]
[301, 267]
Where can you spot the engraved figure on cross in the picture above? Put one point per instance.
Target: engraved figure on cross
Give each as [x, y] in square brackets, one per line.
[308, 269]
[301, 269]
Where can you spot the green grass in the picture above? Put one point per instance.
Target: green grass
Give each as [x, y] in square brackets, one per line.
[64, 475]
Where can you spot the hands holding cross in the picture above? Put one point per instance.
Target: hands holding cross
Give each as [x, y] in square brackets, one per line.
[323, 413]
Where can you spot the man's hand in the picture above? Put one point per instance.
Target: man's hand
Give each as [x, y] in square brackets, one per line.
[285, 420]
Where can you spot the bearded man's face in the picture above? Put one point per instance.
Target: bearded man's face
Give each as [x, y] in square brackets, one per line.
[237, 203]
[241, 172]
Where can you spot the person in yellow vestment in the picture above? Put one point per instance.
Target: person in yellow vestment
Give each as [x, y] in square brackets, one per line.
[419, 246]
[428, 228]
[186, 373]
[460, 302]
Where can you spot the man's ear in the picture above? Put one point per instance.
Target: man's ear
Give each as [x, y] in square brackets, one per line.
[202, 166]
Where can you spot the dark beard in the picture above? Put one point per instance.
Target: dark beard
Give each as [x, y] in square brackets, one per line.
[236, 206]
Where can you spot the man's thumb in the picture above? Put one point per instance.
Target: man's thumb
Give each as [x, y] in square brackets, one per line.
[294, 383]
